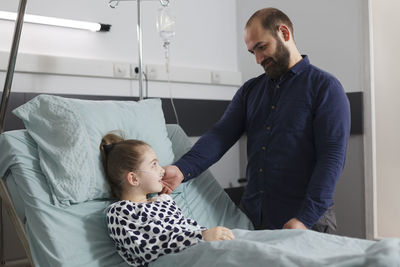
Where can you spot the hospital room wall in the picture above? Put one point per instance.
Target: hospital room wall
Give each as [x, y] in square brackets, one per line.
[189, 47]
[331, 33]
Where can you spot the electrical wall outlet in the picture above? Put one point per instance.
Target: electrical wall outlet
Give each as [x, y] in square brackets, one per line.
[215, 77]
[134, 71]
[151, 72]
[121, 70]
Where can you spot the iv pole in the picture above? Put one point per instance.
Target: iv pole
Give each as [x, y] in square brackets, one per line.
[114, 4]
[11, 63]
[140, 44]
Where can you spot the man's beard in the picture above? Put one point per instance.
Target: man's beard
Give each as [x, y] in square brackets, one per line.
[279, 63]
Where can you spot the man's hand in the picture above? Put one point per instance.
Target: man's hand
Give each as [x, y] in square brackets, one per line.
[294, 224]
[171, 179]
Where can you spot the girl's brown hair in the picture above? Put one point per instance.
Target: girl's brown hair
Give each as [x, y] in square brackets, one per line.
[120, 156]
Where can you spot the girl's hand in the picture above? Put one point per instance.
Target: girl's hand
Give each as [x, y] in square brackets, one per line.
[217, 234]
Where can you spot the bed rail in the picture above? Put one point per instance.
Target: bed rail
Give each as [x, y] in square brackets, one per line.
[19, 226]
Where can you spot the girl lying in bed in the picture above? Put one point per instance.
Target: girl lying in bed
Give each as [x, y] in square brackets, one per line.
[144, 229]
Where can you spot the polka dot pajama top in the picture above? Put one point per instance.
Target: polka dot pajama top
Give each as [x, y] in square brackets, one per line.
[142, 232]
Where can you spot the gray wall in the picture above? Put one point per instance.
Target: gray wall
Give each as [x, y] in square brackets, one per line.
[331, 34]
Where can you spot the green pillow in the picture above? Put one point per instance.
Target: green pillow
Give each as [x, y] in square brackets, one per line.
[68, 133]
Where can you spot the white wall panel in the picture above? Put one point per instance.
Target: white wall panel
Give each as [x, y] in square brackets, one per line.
[386, 43]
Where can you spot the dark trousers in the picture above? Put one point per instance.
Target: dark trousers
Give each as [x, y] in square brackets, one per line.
[327, 222]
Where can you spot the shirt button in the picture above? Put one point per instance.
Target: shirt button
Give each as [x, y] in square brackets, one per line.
[261, 192]
[260, 170]
[263, 148]
[272, 107]
[188, 175]
[268, 128]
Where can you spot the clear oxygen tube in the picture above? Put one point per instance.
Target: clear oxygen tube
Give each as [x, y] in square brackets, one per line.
[166, 29]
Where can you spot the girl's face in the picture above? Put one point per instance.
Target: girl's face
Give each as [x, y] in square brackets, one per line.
[150, 173]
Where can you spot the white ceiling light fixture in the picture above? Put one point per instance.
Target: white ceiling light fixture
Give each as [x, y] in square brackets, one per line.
[68, 23]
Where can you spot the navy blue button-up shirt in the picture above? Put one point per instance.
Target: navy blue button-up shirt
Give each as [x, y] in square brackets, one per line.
[297, 131]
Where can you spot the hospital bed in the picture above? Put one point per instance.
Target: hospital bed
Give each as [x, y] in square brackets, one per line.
[56, 232]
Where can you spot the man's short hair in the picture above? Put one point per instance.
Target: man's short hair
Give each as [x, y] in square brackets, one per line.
[270, 19]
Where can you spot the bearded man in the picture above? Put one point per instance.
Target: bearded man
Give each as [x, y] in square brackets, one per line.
[297, 121]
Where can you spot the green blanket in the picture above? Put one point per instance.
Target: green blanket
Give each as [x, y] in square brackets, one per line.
[287, 248]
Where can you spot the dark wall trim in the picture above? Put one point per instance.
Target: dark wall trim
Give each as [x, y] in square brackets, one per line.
[195, 116]
[357, 112]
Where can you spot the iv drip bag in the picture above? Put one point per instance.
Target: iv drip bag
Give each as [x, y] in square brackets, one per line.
[165, 24]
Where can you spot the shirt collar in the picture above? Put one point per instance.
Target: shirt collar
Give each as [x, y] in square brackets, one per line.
[296, 69]
[301, 65]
